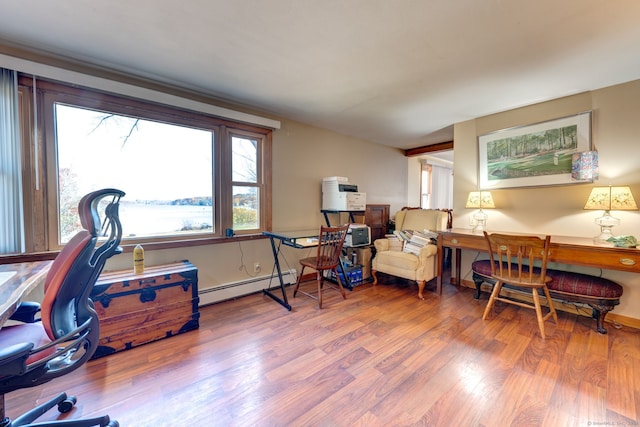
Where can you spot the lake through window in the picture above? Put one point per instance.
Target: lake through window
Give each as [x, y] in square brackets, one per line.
[166, 170]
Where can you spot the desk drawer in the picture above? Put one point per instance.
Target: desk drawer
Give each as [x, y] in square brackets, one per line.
[611, 258]
[466, 242]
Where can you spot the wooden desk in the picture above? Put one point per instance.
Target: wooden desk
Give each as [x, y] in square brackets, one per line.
[16, 281]
[564, 250]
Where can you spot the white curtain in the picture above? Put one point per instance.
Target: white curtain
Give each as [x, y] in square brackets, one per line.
[440, 183]
[11, 214]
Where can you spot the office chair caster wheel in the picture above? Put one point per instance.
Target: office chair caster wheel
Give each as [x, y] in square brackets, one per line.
[67, 404]
[113, 423]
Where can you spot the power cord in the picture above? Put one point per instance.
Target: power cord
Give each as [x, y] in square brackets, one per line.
[243, 267]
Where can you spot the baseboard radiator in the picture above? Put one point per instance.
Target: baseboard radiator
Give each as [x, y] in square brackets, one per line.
[243, 287]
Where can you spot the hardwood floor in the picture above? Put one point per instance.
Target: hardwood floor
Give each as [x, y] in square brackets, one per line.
[379, 358]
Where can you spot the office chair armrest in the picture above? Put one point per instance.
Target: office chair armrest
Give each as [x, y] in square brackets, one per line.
[13, 358]
[26, 312]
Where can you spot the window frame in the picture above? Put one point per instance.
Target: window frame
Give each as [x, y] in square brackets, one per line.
[42, 218]
[261, 153]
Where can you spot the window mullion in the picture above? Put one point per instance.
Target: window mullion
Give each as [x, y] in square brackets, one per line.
[226, 185]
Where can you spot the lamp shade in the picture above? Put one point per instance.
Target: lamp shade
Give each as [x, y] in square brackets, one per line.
[480, 200]
[611, 198]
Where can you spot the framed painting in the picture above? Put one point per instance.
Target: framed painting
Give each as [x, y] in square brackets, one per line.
[533, 155]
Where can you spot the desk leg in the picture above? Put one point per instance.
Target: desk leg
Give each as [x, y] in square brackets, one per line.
[457, 280]
[443, 263]
[276, 258]
[439, 266]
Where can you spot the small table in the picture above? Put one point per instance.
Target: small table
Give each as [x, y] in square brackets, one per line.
[16, 281]
[295, 239]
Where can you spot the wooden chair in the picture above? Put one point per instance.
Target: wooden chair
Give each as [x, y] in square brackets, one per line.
[520, 261]
[330, 243]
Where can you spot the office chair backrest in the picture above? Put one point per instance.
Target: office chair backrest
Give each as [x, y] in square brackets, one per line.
[74, 271]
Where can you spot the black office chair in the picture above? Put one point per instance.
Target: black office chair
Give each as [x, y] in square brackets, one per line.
[67, 335]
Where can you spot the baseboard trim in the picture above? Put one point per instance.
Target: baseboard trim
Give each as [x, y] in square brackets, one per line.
[242, 288]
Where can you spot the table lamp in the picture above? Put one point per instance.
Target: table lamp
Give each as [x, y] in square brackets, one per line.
[607, 199]
[480, 200]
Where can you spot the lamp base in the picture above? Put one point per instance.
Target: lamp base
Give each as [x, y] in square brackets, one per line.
[479, 221]
[606, 223]
[604, 236]
[479, 227]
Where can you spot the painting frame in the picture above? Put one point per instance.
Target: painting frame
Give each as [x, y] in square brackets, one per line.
[535, 155]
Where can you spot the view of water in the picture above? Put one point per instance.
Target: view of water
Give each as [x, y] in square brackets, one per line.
[146, 219]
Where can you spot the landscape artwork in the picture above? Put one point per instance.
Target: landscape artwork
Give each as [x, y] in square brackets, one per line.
[533, 155]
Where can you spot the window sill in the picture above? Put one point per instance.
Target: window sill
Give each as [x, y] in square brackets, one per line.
[43, 256]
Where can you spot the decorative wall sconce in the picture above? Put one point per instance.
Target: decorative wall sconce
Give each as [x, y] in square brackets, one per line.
[607, 199]
[480, 200]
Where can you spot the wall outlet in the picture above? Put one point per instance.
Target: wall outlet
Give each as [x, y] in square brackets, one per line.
[256, 267]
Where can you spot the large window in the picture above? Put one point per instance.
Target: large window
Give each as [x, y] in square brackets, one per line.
[166, 170]
[187, 176]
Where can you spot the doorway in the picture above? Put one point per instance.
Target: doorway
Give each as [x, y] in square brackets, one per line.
[436, 180]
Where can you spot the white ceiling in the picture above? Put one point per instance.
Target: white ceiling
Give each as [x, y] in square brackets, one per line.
[398, 72]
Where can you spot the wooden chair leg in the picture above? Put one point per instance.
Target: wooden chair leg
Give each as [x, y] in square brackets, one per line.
[492, 299]
[421, 285]
[319, 280]
[344, 294]
[536, 303]
[375, 277]
[550, 302]
[295, 290]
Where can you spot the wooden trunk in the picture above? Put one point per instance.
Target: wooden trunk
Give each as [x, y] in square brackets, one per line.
[137, 309]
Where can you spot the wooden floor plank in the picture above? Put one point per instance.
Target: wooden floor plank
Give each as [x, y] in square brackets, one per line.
[379, 358]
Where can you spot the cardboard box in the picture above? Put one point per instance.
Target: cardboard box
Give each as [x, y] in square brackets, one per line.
[363, 258]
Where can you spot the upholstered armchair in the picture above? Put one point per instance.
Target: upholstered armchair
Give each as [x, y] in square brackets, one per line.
[391, 259]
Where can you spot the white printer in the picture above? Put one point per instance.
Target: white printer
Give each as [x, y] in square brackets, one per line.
[339, 195]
